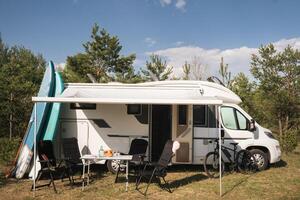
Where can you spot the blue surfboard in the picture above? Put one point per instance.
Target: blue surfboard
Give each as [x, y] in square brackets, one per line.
[26, 150]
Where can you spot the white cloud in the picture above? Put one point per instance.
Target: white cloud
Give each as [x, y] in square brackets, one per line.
[179, 4]
[150, 41]
[281, 44]
[179, 43]
[60, 66]
[165, 2]
[139, 62]
[238, 59]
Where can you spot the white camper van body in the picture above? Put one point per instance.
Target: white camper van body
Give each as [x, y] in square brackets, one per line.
[156, 113]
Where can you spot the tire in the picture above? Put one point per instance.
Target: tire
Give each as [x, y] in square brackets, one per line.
[261, 159]
[245, 162]
[211, 165]
[113, 166]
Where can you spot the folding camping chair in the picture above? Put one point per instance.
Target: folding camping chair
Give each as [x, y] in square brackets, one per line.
[138, 148]
[160, 168]
[48, 163]
[72, 156]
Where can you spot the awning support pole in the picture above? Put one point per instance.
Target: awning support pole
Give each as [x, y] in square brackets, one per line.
[34, 147]
[220, 150]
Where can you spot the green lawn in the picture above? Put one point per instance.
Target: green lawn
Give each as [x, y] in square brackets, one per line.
[281, 181]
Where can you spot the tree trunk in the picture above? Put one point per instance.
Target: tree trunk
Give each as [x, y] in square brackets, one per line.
[10, 119]
[286, 123]
[280, 129]
[10, 126]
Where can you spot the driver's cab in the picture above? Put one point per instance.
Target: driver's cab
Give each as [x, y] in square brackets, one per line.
[238, 126]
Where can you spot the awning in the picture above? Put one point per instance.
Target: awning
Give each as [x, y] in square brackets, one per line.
[125, 95]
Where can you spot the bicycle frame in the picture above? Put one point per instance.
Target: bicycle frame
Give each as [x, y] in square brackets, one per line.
[225, 151]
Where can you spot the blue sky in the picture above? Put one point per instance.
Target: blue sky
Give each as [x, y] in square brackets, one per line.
[179, 30]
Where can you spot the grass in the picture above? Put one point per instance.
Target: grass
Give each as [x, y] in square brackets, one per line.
[280, 181]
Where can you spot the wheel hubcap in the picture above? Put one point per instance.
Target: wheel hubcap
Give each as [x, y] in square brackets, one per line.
[115, 165]
[260, 161]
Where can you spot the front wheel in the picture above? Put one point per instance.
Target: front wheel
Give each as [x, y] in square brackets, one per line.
[212, 166]
[261, 159]
[245, 162]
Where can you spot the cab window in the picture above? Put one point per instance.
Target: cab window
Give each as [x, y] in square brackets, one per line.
[233, 119]
[242, 121]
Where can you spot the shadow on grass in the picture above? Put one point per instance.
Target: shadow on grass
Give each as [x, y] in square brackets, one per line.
[97, 172]
[236, 185]
[279, 164]
[3, 179]
[187, 180]
[173, 185]
[186, 168]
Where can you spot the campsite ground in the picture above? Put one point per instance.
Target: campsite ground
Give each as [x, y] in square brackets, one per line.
[281, 181]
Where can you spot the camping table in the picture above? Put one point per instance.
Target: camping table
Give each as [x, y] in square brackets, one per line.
[88, 159]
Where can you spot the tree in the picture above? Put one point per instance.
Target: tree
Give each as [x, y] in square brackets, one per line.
[198, 70]
[278, 74]
[242, 86]
[186, 68]
[101, 58]
[157, 69]
[77, 68]
[225, 73]
[21, 73]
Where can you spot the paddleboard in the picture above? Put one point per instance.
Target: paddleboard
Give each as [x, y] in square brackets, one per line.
[52, 122]
[26, 150]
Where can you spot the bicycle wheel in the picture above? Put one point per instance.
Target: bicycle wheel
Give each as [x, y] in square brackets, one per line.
[245, 162]
[211, 165]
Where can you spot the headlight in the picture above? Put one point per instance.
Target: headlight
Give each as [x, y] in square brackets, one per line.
[277, 147]
[269, 134]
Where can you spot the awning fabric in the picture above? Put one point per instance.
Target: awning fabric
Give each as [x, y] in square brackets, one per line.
[127, 95]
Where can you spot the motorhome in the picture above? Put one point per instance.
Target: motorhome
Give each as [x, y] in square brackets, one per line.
[191, 112]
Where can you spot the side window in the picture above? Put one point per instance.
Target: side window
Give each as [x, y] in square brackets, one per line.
[241, 120]
[233, 119]
[182, 115]
[83, 106]
[228, 117]
[200, 115]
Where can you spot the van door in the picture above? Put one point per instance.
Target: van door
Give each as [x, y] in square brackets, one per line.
[235, 125]
[183, 133]
[161, 128]
[205, 131]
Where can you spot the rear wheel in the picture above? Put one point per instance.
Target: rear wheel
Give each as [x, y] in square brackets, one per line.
[212, 166]
[113, 166]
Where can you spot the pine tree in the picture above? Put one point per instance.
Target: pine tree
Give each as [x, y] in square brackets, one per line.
[157, 69]
[101, 58]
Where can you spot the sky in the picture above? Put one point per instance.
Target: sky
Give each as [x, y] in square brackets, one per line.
[178, 30]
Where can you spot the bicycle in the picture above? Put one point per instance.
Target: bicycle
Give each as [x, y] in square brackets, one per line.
[243, 161]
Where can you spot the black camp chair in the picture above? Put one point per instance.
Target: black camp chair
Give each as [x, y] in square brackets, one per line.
[160, 168]
[48, 163]
[138, 148]
[72, 156]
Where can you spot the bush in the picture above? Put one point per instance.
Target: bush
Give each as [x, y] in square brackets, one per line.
[8, 149]
[289, 140]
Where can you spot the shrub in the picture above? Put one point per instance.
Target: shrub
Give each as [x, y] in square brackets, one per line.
[289, 140]
[8, 149]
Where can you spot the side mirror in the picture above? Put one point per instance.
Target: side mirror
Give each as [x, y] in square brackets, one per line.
[252, 127]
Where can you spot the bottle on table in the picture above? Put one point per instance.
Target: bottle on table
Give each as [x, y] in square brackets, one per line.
[101, 151]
